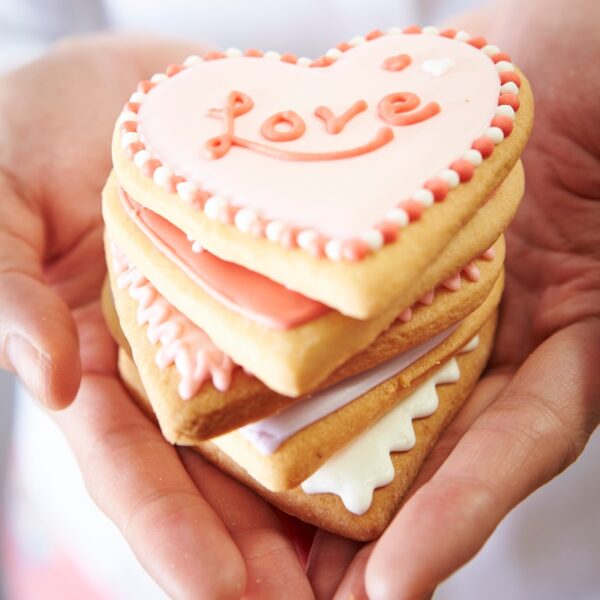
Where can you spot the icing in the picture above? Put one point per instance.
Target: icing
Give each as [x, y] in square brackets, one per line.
[397, 63]
[238, 288]
[468, 96]
[182, 343]
[269, 433]
[247, 292]
[365, 464]
[336, 124]
[238, 104]
[392, 107]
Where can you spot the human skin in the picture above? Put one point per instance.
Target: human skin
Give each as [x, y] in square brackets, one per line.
[201, 534]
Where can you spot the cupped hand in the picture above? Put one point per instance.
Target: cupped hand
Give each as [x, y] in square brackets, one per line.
[534, 410]
[199, 533]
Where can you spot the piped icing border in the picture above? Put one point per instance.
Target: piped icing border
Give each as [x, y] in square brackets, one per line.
[408, 210]
[365, 464]
[182, 343]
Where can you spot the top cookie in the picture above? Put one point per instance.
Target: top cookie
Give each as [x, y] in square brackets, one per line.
[342, 181]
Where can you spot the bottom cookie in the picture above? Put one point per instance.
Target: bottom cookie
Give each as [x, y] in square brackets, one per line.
[354, 510]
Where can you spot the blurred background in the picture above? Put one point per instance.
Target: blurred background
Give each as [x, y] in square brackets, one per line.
[55, 544]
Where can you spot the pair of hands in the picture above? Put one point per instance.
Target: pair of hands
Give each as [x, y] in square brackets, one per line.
[198, 532]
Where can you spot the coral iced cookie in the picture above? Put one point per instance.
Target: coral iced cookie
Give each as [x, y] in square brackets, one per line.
[343, 181]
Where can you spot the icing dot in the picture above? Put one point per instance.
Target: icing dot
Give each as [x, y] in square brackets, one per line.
[194, 59]
[173, 70]
[439, 188]
[253, 52]
[373, 238]
[505, 110]
[215, 206]
[289, 58]
[398, 216]
[449, 33]
[490, 49]
[430, 30]
[162, 176]
[354, 250]
[307, 238]
[213, 55]
[437, 68]
[394, 30]
[484, 145]
[244, 219]
[424, 196]
[509, 99]
[150, 166]
[462, 36]
[133, 149]
[137, 97]
[127, 115]
[141, 157]
[357, 40]
[158, 78]
[304, 61]
[145, 86]
[412, 29]
[389, 231]
[322, 61]
[478, 42]
[334, 53]
[187, 191]
[272, 55]
[373, 35]
[129, 138]
[504, 123]
[273, 230]
[413, 208]
[510, 76]
[464, 169]
[333, 249]
[450, 176]
[233, 52]
[501, 56]
[197, 247]
[510, 87]
[504, 66]
[495, 134]
[473, 156]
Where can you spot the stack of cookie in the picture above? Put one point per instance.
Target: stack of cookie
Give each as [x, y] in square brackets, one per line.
[306, 258]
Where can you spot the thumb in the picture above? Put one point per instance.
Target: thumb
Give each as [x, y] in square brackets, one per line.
[38, 338]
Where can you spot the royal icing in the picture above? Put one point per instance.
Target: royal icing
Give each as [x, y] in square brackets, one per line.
[269, 433]
[244, 291]
[181, 343]
[365, 464]
[290, 174]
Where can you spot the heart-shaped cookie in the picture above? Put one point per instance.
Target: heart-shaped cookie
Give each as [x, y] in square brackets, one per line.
[341, 177]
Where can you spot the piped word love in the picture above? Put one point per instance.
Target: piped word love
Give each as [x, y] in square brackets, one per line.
[397, 109]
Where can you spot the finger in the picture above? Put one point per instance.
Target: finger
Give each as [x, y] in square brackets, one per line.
[538, 426]
[137, 479]
[353, 582]
[484, 394]
[328, 561]
[273, 568]
[38, 339]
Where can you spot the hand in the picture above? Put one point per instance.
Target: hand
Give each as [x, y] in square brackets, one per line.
[198, 533]
[533, 412]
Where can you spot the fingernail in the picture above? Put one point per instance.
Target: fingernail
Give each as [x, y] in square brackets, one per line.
[25, 360]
